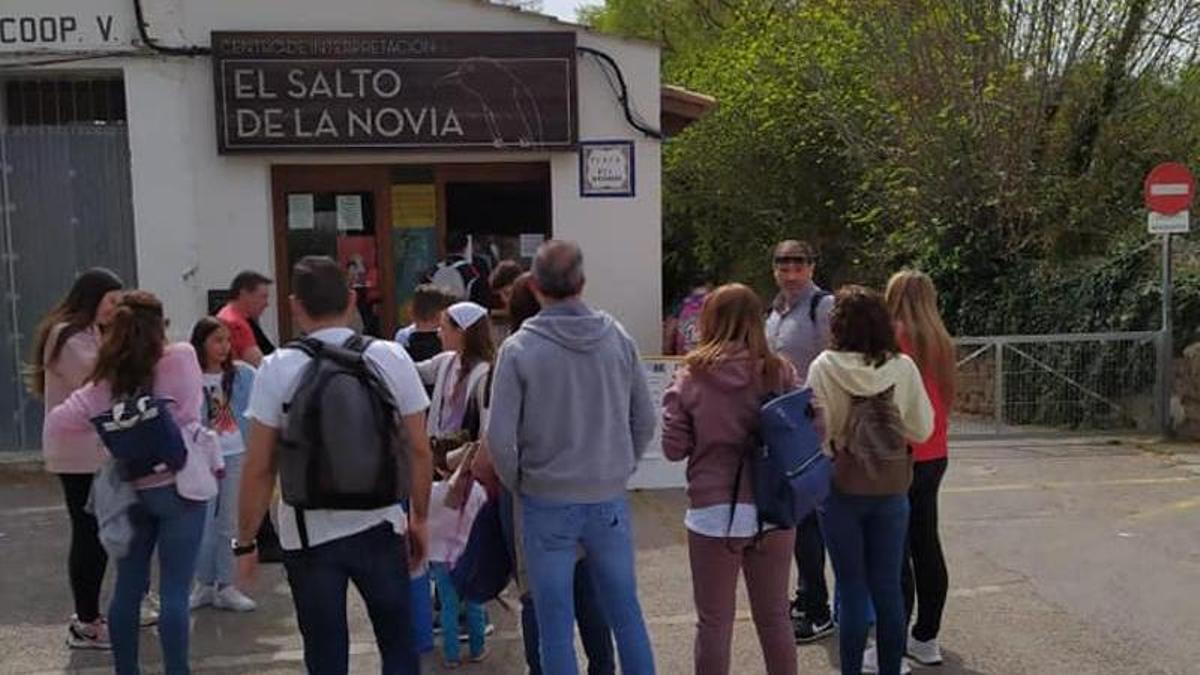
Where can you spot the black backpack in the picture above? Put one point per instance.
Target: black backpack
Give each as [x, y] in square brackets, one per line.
[341, 445]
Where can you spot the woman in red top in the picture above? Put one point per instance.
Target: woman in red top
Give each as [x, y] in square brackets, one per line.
[912, 301]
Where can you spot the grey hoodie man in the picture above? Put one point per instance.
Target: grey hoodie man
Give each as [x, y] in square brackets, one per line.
[571, 412]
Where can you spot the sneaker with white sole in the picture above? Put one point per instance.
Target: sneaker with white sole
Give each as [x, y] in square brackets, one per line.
[870, 664]
[92, 635]
[806, 630]
[149, 612]
[231, 599]
[202, 596]
[926, 653]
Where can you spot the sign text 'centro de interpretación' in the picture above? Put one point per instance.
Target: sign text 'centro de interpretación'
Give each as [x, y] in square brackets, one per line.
[308, 91]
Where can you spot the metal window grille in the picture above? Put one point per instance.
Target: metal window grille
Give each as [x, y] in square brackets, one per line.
[64, 101]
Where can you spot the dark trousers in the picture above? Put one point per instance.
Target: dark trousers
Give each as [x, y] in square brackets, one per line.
[924, 574]
[810, 561]
[376, 561]
[87, 559]
[593, 631]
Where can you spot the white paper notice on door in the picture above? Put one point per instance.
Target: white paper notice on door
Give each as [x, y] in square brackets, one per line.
[300, 212]
[349, 213]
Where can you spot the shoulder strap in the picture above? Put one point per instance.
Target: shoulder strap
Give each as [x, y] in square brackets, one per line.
[814, 303]
[302, 528]
[308, 344]
[358, 343]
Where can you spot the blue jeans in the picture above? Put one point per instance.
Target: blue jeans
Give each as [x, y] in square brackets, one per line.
[553, 532]
[377, 562]
[865, 536]
[476, 621]
[593, 631]
[422, 613]
[215, 564]
[175, 525]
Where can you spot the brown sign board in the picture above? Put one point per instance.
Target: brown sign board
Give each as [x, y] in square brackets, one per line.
[351, 91]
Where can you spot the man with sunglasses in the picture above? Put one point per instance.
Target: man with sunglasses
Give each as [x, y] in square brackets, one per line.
[798, 328]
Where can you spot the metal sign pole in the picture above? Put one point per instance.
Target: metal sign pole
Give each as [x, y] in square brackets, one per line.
[1167, 355]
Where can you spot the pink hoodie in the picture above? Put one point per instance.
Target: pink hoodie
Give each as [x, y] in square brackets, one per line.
[177, 376]
[66, 374]
[709, 417]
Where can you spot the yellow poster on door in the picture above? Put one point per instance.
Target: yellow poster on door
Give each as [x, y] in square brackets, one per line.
[414, 206]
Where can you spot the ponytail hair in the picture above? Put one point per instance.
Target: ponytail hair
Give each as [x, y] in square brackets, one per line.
[132, 346]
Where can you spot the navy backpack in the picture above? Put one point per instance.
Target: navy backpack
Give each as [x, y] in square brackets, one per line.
[483, 570]
[791, 476]
[142, 436]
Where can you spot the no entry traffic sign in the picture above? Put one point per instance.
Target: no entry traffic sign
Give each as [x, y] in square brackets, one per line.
[1170, 188]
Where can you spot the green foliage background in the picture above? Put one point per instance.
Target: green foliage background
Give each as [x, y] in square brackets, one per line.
[998, 145]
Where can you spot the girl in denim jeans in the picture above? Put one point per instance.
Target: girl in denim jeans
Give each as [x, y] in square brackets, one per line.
[227, 386]
[873, 403]
[135, 357]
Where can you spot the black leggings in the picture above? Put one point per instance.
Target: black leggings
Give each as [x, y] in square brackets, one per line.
[924, 574]
[87, 558]
[810, 561]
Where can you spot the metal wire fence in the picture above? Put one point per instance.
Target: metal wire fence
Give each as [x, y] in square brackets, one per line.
[1020, 385]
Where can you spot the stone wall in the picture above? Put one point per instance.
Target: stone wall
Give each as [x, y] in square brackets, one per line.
[1185, 404]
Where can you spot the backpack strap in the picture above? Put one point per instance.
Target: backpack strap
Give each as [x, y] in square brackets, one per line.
[815, 302]
[302, 528]
[358, 343]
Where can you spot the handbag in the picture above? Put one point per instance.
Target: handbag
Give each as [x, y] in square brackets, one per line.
[142, 436]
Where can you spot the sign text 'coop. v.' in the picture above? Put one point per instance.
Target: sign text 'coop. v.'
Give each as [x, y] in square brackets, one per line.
[308, 91]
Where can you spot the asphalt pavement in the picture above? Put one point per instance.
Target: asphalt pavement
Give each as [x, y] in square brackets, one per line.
[1065, 556]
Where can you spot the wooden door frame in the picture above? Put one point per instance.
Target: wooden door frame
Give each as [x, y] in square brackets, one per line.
[374, 178]
[495, 172]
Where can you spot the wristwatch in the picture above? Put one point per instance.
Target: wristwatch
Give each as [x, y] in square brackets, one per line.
[240, 549]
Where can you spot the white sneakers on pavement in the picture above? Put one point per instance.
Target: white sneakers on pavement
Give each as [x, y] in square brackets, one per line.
[927, 653]
[870, 663]
[202, 597]
[228, 598]
[92, 635]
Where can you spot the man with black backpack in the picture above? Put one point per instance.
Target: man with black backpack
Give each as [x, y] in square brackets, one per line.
[461, 274]
[341, 420]
[798, 328]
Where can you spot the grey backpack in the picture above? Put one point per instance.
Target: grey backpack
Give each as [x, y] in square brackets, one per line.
[341, 445]
[876, 459]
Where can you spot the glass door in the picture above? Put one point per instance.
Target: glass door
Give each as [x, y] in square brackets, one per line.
[342, 212]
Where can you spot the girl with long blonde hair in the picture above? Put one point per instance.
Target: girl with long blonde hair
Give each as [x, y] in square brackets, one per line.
[912, 302]
[710, 418]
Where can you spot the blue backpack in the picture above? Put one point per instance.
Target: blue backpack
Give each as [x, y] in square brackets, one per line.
[790, 475]
[141, 434]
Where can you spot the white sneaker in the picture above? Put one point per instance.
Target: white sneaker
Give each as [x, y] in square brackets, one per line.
[927, 653]
[149, 612]
[231, 599]
[93, 635]
[202, 597]
[870, 664]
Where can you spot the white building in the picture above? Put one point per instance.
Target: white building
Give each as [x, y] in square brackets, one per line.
[374, 128]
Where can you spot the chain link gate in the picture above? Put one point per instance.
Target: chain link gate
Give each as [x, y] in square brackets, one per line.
[1029, 385]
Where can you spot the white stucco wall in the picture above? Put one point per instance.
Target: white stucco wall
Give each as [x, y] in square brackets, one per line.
[200, 217]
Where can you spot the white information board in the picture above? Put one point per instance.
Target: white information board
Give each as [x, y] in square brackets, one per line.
[654, 471]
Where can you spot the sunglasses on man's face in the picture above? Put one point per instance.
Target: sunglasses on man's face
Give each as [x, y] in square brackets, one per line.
[783, 260]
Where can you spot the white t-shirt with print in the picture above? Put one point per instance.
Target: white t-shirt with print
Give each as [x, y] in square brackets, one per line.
[273, 387]
[222, 419]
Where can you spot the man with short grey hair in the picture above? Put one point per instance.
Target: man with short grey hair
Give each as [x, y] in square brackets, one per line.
[798, 329]
[571, 415]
